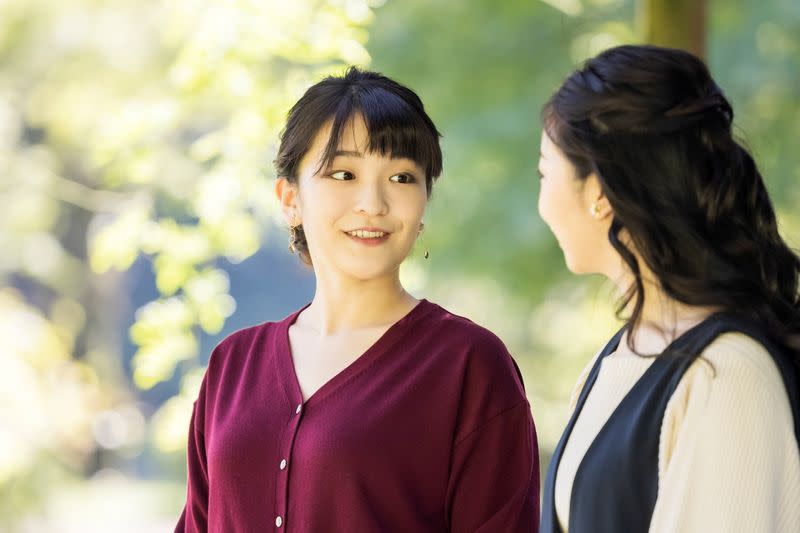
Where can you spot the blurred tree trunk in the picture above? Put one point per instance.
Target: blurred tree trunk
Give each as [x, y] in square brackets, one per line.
[673, 23]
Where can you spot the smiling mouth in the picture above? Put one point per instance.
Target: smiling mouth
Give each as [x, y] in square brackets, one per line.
[367, 237]
[365, 234]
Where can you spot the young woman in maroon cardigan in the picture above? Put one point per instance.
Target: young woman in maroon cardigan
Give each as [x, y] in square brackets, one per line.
[368, 409]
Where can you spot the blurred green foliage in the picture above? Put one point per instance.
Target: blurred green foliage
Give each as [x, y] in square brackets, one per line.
[136, 129]
[132, 128]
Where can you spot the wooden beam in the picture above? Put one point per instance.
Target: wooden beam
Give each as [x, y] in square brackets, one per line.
[673, 23]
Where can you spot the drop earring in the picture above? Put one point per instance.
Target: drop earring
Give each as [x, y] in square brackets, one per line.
[427, 254]
[293, 235]
[292, 239]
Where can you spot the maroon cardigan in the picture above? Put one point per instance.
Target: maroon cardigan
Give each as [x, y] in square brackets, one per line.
[428, 430]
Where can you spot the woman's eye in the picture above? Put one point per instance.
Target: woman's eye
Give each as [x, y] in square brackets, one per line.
[342, 175]
[403, 178]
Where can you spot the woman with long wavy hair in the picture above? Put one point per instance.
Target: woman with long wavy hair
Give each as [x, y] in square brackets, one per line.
[689, 418]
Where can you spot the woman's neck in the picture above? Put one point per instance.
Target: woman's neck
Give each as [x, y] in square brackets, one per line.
[662, 318]
[346, 304]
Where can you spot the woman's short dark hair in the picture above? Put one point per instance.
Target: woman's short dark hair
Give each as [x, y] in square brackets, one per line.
[656, 129]
[396, 122]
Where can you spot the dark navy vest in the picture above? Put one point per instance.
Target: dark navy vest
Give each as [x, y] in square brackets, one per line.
[616, 484]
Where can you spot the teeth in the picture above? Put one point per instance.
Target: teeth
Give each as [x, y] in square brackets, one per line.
[361, 234]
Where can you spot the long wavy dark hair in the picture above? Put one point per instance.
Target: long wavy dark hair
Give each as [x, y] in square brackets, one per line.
[656, 129]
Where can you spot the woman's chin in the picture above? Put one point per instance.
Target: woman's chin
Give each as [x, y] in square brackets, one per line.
[580, 267]
[370, 269]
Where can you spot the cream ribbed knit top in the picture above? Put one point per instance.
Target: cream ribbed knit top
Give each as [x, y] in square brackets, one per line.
[728, 458]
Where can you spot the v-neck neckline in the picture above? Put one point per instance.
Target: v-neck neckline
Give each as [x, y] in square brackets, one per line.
[608, 350]
[285, 358]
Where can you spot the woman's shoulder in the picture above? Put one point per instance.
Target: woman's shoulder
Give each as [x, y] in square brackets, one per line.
[259, 340]
[734, 374]
[487, 378]
[244, 337]
[733, 386]
[465, 329]
[464, 332]
[473, 350]
[738, 360]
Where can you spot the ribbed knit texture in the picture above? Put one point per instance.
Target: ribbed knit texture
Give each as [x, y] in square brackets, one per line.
[728, 458]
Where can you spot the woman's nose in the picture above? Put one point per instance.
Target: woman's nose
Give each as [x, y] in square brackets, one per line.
[371, 200]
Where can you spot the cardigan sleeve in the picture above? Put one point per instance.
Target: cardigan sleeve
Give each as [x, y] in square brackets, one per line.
[728, 456]
[494, 481]
[194, 518]
[493, 484]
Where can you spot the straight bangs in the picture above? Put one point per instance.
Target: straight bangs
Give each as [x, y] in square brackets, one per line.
[394, 129]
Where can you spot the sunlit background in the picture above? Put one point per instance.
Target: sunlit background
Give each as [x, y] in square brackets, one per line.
[138, 225]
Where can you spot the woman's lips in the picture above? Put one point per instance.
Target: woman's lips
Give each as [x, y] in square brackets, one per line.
[368, 236]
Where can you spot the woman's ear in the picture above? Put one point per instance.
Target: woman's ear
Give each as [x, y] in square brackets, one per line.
[595, 198]
[286, 191]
